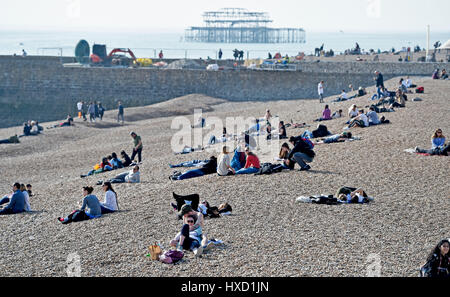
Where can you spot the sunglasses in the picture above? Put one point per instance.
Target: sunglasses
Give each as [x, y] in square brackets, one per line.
[190, 221]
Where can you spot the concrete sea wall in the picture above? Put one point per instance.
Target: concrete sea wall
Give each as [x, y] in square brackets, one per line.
[41, 88]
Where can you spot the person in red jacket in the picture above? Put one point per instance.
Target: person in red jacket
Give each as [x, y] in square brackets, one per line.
[252, 164]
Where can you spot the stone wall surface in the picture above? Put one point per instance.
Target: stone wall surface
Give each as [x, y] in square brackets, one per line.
[41, 88]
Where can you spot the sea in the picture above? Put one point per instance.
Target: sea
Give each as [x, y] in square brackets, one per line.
[174, 46]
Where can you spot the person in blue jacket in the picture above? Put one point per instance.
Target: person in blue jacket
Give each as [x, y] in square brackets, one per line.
[16, 203]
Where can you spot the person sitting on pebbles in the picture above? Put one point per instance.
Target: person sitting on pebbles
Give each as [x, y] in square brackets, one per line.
[191, 236]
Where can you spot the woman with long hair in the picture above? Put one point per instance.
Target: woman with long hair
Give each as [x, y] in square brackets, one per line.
[438, 146]
[438, 261]
[89, 201]
[252, 164]
[224, 163]
[110, 204]
[284, 154]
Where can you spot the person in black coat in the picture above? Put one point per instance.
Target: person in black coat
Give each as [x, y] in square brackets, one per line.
[438, 261]
[301, 153]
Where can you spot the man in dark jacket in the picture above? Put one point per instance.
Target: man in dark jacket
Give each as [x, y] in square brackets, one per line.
[301, 153]
[380, 83]
[17, 202]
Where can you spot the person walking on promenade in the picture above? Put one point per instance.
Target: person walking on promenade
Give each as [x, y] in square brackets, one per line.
[220, 54]
[137, 149]
[320, 91]
[120, 114]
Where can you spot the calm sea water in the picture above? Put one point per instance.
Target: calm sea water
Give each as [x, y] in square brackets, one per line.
[174, 46]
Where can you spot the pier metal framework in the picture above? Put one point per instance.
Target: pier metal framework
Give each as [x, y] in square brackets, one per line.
[238, 25]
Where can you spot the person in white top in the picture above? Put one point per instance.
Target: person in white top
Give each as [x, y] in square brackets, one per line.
[224, 163]
[24, 191]
[320, 90]
[110, 204]
[361, 120]
[352, 111]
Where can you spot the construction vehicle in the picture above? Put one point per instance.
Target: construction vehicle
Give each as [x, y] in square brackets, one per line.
[99, 57]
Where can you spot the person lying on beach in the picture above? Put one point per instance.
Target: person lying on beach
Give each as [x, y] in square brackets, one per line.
[89, 201]
[133, 176]
[344, 136]
[352, 195]
[438, 146]
[296, 125]
[188, 150]
[12, 139]
[68, 122]
[109, 205]
[99, 168]
[193, 163]
[326, 115]
[224, 163]
[361, 120]
[224, 138]
[438, 261]
[252, 164]
[16, 202]
[347, 195]
[208, 168]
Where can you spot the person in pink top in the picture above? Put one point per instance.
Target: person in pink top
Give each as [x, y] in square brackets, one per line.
[326, 115]
[252, 164]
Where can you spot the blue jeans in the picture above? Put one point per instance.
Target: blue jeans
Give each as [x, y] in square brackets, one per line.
[249, 170]
[302, 159]
[191, 174]
[192, 163]
[4, 200]
[106, 210]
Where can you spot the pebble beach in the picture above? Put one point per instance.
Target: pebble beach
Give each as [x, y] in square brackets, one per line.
[268, 233]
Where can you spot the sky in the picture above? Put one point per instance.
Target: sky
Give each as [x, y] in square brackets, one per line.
[176, 15]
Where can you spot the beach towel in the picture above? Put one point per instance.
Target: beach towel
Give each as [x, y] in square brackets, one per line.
[413, 151]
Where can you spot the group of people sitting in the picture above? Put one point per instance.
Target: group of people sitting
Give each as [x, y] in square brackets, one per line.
[18, 200]
[442, 75]
[358, 118]
[91, 207]
[326, 114]
[109, 163]
[31, 128]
